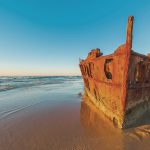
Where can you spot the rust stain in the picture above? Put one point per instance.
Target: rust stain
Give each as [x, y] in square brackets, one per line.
[118, 83]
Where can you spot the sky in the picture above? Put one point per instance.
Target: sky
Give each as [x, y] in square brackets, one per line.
[47, 37]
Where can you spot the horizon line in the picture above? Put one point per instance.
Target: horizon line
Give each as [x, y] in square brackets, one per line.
[34, 75]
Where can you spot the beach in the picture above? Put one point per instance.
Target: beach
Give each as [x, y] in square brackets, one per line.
[48, 113]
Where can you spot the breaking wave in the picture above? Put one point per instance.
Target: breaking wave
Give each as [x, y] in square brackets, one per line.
[9, 83]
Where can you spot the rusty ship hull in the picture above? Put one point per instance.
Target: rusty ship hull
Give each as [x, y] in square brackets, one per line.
[118, 84]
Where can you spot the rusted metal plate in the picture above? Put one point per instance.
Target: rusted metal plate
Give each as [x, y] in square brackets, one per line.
[118, 82]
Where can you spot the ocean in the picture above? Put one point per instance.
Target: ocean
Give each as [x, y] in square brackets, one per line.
[9, 83]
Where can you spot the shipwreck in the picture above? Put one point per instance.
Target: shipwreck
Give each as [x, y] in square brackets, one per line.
[119, 83]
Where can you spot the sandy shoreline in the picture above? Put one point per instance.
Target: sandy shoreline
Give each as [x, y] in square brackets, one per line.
[60, 120]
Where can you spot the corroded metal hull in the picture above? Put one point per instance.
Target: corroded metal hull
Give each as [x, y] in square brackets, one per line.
[119, 83]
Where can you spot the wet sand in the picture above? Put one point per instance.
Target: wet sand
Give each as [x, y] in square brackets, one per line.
[56, 118]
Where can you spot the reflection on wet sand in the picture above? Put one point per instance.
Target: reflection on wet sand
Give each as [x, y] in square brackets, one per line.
[97, 125]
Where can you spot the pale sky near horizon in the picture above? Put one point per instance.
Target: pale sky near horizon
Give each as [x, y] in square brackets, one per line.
[47, 37]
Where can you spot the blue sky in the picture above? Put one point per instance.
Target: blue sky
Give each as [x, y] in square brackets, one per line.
[47, 37]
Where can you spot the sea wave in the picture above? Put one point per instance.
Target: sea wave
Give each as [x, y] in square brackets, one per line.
[9, 83]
